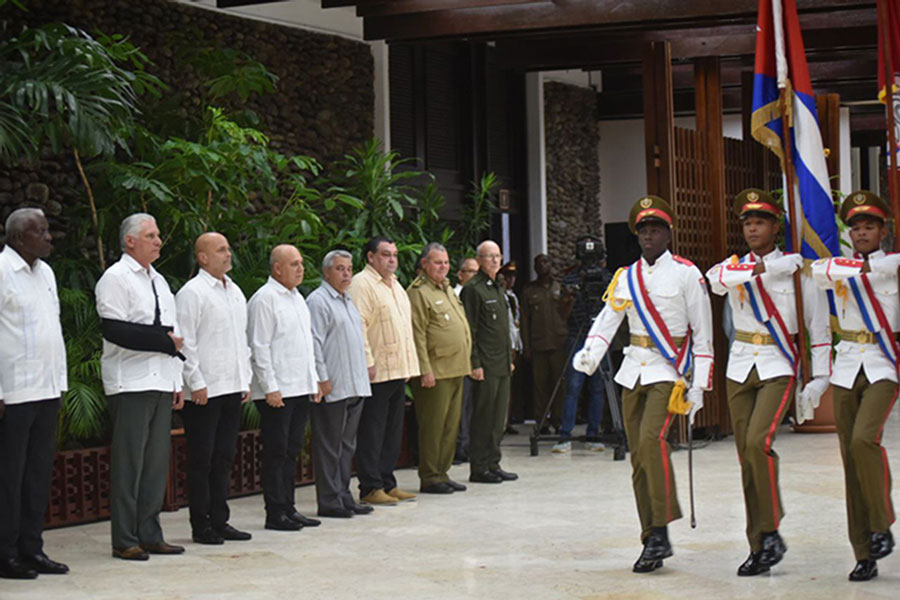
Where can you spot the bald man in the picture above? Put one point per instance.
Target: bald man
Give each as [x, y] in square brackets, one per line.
[284, 382]
[488, 313]
[212, 312]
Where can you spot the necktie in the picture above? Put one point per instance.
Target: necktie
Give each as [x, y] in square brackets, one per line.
[156, 315]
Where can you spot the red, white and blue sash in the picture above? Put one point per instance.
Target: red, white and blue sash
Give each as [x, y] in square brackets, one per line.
[766, 312]
[874, 317]
[681, 358]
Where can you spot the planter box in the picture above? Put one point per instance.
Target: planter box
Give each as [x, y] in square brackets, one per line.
[79, 491]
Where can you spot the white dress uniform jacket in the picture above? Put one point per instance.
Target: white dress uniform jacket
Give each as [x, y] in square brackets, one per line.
[125, 293]
[728, 277]
[833, 274]
[213, 320]
[678, 291]
[32, 350]
[281, 343]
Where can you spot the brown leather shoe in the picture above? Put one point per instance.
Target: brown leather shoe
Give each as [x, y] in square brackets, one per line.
[400, 494]
[378, 497]
[132, 553]
[162, 548]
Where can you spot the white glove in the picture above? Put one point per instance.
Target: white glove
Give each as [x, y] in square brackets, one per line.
[695, 397]
[809, 398]
[585, 362]
[786, 265]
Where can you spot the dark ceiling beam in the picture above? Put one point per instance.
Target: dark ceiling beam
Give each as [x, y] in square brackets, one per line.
[596, 51]
[565, 14]
[400, 7]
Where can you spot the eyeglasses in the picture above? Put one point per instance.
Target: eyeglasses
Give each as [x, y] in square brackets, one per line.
[496, 256]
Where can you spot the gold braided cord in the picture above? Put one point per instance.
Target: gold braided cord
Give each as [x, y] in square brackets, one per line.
[609, 295]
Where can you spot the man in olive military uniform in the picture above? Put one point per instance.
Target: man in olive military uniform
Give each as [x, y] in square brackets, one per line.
[544, 332]
[444, 346]
[670, 319]
[864, 374]
[762, 363]
[487, 311]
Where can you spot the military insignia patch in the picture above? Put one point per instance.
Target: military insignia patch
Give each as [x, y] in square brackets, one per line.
[646, 203]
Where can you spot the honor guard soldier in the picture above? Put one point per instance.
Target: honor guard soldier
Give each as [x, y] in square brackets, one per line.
[670, 356]
[865, 374]
[762, 363]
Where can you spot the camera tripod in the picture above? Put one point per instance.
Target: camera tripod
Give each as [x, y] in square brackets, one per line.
[616, 438]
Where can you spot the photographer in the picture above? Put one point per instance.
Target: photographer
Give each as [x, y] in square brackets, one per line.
[583, 286]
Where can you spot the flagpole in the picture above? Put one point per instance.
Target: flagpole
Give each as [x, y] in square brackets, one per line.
[889, 103]
[796, 223]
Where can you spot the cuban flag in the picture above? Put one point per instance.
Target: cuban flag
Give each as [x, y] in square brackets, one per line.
[781, 65]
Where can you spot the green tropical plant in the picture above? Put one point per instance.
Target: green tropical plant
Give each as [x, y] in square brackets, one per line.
[69, 91]
[476, 221]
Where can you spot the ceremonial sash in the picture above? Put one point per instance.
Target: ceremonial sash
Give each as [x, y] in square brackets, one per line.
[874, 317]
[766, 312]
[681, 358]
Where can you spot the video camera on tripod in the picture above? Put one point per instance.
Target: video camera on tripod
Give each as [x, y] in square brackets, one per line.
[592, 283]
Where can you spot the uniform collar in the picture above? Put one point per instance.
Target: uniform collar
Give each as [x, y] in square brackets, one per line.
[663, 258]
[441, 286]
[18, 263]
[776, 253]
[877, 254]
[487, 278]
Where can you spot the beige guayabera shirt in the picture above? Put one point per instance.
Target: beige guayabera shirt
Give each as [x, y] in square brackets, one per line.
[387, 321]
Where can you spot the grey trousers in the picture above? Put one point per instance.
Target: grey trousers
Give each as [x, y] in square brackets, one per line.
[141, 443]
[334, 426]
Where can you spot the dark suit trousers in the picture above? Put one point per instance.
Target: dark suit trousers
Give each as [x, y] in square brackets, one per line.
[283, 438]
[380, 436]
[141, 442]
[211, 431]
[27, 446]
[334, 426]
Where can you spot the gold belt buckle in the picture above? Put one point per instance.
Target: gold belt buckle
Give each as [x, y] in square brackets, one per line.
[757, 339]
[862, 337]
[645, 342]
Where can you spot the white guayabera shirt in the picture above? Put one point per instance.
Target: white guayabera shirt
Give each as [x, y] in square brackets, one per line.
[32, 350]
[125, 292]
[281, 342]
[212, 315]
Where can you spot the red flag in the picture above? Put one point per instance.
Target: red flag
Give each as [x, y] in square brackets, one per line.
[888, 28]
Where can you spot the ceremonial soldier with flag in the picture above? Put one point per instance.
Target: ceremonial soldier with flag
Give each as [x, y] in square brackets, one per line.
[670, 356]
[865, 374]
[763, 362]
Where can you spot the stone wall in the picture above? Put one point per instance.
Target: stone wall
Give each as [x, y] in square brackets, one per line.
[323, 105]
[573, 168]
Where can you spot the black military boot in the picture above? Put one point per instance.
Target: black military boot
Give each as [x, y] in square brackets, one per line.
[752, 566]
[864, 570]
[881, 545]
[773, 549]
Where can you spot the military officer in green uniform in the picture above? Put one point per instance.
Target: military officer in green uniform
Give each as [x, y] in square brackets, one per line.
[444, 347]
[487, 311]
[864, 374]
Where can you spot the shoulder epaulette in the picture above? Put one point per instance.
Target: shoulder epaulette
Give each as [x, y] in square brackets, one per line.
[682, 260]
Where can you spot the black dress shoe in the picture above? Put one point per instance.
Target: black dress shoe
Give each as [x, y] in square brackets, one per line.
[44, 565]
[657, 546]
[437, 488]
[208, 536]
[336, 513]
[162, 548]
[752, 566]
[13, 568]
[231, 534]
[643, 565]
[283, 523]
[881, 545]
[864, 570]
[460, 458]
[504, 475]
[360, 509]
[305, 521]
[485, 477]
[773, 549]
[457, 486]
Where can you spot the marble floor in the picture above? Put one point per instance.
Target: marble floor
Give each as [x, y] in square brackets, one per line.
[566, 529]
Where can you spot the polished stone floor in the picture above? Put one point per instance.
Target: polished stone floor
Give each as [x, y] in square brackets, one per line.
[566, 529]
